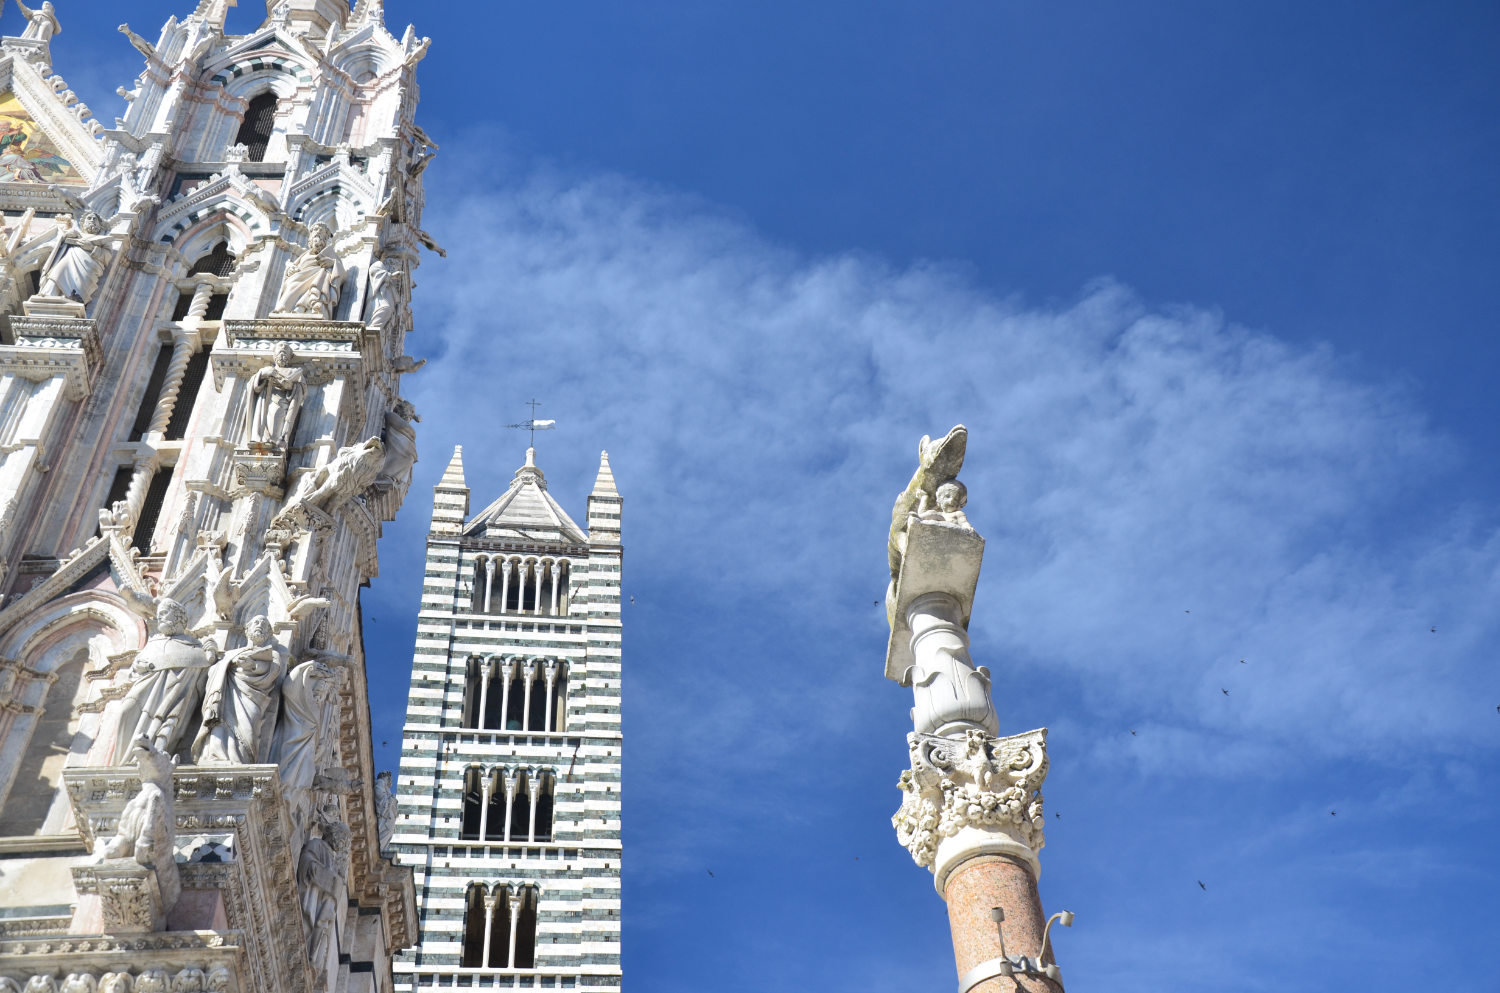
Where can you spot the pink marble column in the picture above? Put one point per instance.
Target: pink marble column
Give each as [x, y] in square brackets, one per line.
[975, 888]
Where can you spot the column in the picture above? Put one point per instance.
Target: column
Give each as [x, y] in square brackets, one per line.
[504, 584]
[534, 786]
[489, 925]
[485, 775]
[557, 580]
[515, 915]
[489, 582]
[536, 608]
[486, 671]
[511, 782]
[182, 351]
[507, 670]
[530, 671]
[551, 700]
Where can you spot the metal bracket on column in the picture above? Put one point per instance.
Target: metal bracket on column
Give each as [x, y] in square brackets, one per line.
[1011, 965]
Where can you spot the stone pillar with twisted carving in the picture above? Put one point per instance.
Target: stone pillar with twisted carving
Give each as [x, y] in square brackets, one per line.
[972, 804]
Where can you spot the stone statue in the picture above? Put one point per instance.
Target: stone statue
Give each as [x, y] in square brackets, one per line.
[385, 810]
[309, 716]
[951, 498]
[330, 486]
[114, 982]
[8, 985]
[189, 980]
[321, 872]
[153, 981]
[400, 444]
[937, 463]
[311, 285]
[277, 392]
[384, 299]
[147, 825]
[40, 24]
[42, 982]
[75, 266]
[169, 675]
[239, 703]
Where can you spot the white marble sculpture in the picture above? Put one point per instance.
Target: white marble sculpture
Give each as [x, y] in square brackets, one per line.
[169, 674]
[76, 264]
[147, 825]
[80, 982]
[386, 807]
[329, 486]
[938, 463]
[277, 392]
[321, 871]
[384, 299]
[309, 716]
[950, 500]
[310, 287]
[114, 982]
[239, 702]
[41, 23]
[400, 443]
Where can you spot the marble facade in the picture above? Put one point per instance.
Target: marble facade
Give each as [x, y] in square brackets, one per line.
[203, 321]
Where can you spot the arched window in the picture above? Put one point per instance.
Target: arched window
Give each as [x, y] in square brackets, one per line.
[524, 942]
[218, 262]
[500, 922]
[520, 809]
[468, 828]
[475, 913]
[474, 677]
[560, 699]
[255, 131]
[35, 782]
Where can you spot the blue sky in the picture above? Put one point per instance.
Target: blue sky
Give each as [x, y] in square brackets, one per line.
[1212, 286]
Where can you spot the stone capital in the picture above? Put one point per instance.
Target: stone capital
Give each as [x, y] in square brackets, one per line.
[970, 796]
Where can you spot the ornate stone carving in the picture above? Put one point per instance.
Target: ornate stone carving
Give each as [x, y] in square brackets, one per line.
[938, 462]
[384, 299]
[239, 702]
[73, 271]
[322, 491]
[48, 345]
[169, 672]
[313, 279]
[41, 23]
[981, 782]
[276, 393]
[386, 808]
[136, 875]
[321, 873]
[400, 445]
[309, 700]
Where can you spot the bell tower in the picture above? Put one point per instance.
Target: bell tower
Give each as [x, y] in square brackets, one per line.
[510, 759]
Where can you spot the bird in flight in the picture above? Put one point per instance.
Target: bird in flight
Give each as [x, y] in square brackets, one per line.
[1132, 732]
[711, 873]
[1223, 691]
[1333, 813]
[1242, 661]
[1056, 815]
[1202, 887]
[632, 599]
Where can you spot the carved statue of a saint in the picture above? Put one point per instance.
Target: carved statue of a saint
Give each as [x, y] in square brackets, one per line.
[239, 702]
[309, 714]
[329, 486]
[400, 444]
[384, 299]
[311, 285]
[41, 24]
[169, 675]
[386, 808]
[321, 872]
[951, 498]
[276, 395]
[74, 269]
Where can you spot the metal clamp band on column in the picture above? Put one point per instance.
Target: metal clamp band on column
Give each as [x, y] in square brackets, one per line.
[1007, 965]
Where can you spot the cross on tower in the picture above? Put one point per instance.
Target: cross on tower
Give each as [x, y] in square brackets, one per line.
[533, 425]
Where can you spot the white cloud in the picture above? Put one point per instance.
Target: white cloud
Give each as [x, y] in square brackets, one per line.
[1163, 492]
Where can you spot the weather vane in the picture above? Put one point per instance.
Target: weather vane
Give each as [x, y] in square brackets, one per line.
[533, 425]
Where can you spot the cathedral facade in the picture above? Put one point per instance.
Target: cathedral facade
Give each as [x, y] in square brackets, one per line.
[203, 317]
[510, 763]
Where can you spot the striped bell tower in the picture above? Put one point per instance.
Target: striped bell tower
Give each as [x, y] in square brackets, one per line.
[510, 763]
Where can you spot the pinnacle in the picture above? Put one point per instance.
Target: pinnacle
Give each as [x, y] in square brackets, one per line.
[453, 476]
[604, 483]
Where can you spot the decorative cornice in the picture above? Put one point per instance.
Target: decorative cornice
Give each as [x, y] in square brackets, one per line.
[53, 346]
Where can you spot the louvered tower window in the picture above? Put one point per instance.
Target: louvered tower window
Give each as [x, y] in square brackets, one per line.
[255, 132]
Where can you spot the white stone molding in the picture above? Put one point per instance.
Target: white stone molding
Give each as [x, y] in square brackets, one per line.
[970, 796]
[53, 346]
